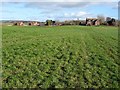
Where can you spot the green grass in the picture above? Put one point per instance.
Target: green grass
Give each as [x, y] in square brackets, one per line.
[67, 56]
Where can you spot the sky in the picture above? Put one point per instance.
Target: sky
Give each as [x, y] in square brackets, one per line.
[34, 10]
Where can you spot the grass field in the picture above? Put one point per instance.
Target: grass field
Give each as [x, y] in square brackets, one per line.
[66, 56]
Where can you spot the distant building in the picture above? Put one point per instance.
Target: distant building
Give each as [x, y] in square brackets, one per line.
[34, 23]
[42, 24]
[19, 23]
[111, 21]
[92, 21]
[59, 23]
[82, 22]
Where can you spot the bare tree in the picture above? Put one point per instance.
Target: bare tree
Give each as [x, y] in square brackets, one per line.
[101, 18]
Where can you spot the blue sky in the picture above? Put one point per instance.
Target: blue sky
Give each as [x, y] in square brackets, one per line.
[40, 11]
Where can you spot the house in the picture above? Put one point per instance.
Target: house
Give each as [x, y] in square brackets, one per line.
[75, 22]
[82, 22]
[34, 23]
[42, 24]
[53, 23]
[59, 23]
[19, 23]
[97, 22]
[110, 21]
[92, 21]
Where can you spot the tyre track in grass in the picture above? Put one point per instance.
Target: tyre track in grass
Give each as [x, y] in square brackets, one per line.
[91, 72]
[98, 60]
[84, 81]
[107, 46]
[111, 63]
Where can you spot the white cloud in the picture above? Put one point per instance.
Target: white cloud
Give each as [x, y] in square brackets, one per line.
[80, 14]
[51, 8]
[73, 16]
[64, 3]
[56, 4]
